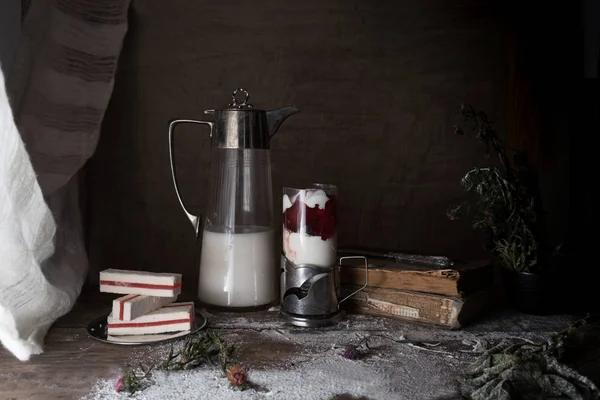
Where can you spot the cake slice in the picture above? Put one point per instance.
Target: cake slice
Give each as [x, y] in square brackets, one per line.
[145, 338]
[132, 306]
[140, 282]
[174, 317]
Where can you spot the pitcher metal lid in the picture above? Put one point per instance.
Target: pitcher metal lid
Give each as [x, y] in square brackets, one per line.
[239, 102]
[241, 126]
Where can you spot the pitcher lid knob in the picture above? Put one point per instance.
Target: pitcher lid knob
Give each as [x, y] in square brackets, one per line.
[237, 94]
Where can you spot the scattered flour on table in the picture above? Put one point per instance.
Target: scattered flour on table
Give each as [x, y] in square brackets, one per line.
[388, 371]
[319, 379]
[316, 370]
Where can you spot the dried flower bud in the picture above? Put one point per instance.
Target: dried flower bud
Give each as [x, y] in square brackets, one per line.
[350, 353]
[237, 375]
[119, 384]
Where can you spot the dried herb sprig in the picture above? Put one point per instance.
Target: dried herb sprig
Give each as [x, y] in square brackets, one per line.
[132, 381]
[508, 202]
[207, 347]
[525, 370]
[199, 349]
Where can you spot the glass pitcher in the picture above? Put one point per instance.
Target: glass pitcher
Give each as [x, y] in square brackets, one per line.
[238, 268]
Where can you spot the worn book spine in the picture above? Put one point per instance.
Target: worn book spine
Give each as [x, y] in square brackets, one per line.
[460, 281]
[452, 312]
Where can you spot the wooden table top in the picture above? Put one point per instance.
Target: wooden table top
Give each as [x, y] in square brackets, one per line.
[72, 362]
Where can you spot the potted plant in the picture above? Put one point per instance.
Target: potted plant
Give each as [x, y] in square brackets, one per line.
[508, 210]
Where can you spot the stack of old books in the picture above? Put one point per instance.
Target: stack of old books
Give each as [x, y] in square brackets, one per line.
[450, 296]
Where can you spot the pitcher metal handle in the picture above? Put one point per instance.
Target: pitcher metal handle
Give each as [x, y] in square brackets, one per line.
[195, 220]
[366, 277]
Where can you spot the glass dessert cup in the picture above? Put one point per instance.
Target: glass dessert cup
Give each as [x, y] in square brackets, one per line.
[309, 225]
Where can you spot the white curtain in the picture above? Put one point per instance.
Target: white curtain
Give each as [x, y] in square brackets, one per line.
[60, 84]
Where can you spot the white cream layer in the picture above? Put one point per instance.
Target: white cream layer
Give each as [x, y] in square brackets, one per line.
[304, 249]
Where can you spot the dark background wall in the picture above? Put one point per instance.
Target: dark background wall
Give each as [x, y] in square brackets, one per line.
[378, 83]
[10, 27]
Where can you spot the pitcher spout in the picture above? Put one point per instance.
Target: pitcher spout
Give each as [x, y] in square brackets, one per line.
[276, 117]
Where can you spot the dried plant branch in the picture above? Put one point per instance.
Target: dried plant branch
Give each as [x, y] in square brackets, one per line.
[198, 349]
[507, 208]
[522, 370]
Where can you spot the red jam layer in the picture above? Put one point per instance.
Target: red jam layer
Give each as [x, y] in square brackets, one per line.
[314, 221]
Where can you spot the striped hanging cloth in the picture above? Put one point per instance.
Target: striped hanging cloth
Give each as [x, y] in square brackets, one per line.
[59, 88]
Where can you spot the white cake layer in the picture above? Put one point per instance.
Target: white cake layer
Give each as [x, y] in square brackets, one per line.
[171, 318]
[144, 330]
[140, 282]
[129, 307]
[145, 338]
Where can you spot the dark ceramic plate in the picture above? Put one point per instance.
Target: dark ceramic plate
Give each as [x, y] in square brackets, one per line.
[97, 329]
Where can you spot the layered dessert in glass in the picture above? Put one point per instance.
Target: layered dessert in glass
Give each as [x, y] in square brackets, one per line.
[309, 225]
